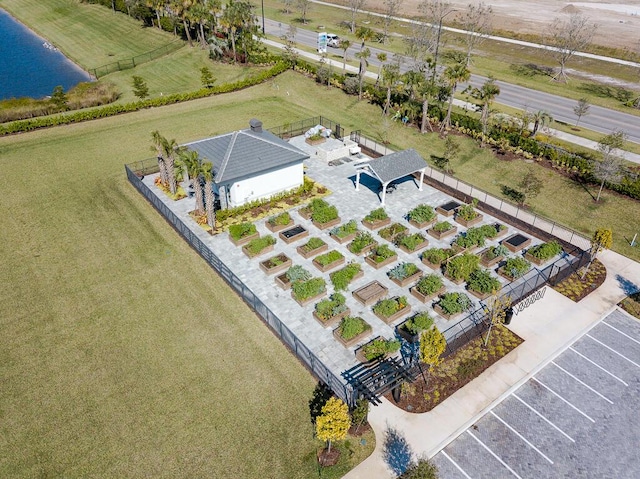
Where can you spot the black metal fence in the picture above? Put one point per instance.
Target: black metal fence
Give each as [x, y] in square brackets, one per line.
[318, 369]
[129, 63]
[297, 128]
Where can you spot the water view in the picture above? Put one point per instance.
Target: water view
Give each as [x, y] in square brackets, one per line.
[29, 65]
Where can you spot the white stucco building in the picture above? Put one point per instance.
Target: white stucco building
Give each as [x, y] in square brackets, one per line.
[251, 164]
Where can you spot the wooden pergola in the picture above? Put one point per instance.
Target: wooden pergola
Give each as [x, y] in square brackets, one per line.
[392, 167]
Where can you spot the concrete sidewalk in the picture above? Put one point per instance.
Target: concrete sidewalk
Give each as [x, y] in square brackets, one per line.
[548, 327]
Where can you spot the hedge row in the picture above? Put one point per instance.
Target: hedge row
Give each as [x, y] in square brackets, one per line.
[111, 110]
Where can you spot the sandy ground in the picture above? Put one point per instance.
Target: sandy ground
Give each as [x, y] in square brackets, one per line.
[618, 24]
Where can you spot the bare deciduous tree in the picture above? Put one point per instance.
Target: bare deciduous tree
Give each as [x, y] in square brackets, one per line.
[581, 109]
[434, 12]
[354, 7]
[566, 37]
[289, 52]
[476, 20]
[304, 6]
[391, 8]
[610, 168]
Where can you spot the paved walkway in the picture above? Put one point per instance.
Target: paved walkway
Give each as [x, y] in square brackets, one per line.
[548, 327]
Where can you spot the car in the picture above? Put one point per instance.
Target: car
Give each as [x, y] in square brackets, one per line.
[333, 40]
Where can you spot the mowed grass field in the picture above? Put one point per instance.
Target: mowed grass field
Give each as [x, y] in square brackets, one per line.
[122, 353]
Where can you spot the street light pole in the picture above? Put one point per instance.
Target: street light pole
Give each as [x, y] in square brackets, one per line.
[262, 17]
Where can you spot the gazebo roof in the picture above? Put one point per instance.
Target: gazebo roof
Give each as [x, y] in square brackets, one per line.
[396, 165]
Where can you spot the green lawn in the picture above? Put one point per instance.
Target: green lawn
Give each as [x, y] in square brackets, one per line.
[123, 353]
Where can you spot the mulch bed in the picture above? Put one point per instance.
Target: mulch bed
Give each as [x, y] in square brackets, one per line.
[455, 371]
[359, 430]
[328, 458]
[631, 305]
[575, 288]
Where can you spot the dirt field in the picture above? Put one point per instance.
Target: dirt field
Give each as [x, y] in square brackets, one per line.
[618, 23]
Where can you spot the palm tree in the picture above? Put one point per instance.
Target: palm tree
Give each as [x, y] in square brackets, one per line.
[486, 94]
[382, 57]
[365, 34]
[540, 119]
[169, 148]
[362, 55]
[180, 8]
[390, 77]
[453, 75]
[158, 144]
[208, 174]
[344, 46]
[193, 163]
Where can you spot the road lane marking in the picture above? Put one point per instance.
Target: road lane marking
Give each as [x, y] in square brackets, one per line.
[598, 366]
[561, 398]
[455, 464]
[521, 437]
[613, 350]
[581, 382]
[494, 455]
[621, 332]
[543, 418]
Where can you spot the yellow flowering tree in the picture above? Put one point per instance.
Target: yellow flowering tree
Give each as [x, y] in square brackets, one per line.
[334, 422]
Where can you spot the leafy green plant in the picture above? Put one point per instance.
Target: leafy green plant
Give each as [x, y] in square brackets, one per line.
[242, 230]
[494, 252]
[442, 226]
[476, 236]
[330, 307]
[389, 307]
[360, 412]
[345, 230]
[328, 258]
[344, 276]
[421, 214]
[516, 267]
[462, 266]
[313, 243]
[402, 271]
[410, 242]
[437, 255]
[351, 326]
[429, 284]
[482, 282]
[308, 289]
[361, 241]
[297, 273]
[381, 253]
[378, 214]
[454, 303]
[392, 230]
[324, 215]
[420, 322]
[380, 347]
[545, 251]
[257, 245]
[282, 219]
[468, 212]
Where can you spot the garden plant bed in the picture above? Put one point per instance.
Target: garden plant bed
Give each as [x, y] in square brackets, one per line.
[249, 254]
[442, 234]
[576, 289]
[424, 299]
[422, 225]
[364, 250]
[455, 371]
[408, 280]
[471, 222]
[333, 319]
[343, 239]
[480, 296]
[419, 246]
[277, 225]
[406, 309]
[347, 343]
[501, 229]
[319, 261]
[516, 242]
[245, 239]
[374, 225]
[360, 352]
[283, 281]
[307, 252]
[391, 232]
[448, 209]
[372, 262]
[489, 262]
[370, 293]
[327, 224]
[306, 301]
[438, 309]
[275, 264]
[293, 234]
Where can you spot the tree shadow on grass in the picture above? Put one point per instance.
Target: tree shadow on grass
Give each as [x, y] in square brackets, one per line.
[628, 286]
[321, 395]
[396, 451]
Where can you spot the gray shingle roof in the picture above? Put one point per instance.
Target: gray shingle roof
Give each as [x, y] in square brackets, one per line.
[246, 153]
[396, 165]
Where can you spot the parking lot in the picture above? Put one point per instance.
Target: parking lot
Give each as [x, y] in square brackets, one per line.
[576, 418]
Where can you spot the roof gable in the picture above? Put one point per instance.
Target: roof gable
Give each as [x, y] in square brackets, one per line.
[397, 165]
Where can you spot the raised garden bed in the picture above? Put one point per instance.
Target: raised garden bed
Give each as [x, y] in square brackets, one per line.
[501, 230]
[293, 274]
[327, 224]
[242, 233]
[391, 232]
[315, 141]
[392, 309]
[312, 247]
[467, 223]
[344, 233]
[467, 215]
[376, 219]
[411, 329]
[327, 261]
[493, 255]
[259, 246]
[516, 242]
[331, 310]
[305, 292]
[278, 222]
[378, 348]
[370, 293]
[514, 268]
[452, 305]
[448, 209]
[422, 216]
[362, 243]
[428, 288]
[412, 243]
[544, 252]
[434, 257]
[459, 268]
[293, 234]
[354, 328]
[275, 264]
[442, 230]
[405, 274]
[381, 256]
[482, 284]
[345, 276]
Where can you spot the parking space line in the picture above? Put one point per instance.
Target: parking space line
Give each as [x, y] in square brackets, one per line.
[521, 437]
[581, 382]
[598, 366]
[544, 418]
[455, 464]
[613, 350]
[623, 333]
[561, 398]
[494, 454]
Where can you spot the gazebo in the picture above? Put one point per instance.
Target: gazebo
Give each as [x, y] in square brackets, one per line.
[391, 167]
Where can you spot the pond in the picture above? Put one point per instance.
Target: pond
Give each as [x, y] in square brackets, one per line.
[31, 66]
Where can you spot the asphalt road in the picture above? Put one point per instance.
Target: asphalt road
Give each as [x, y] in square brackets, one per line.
[599, 119]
